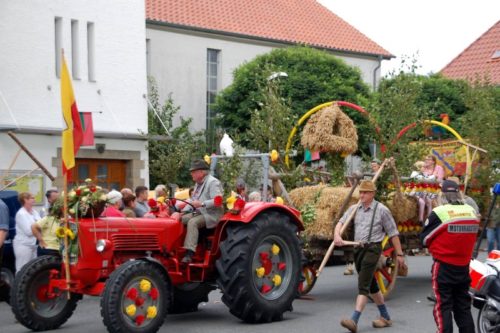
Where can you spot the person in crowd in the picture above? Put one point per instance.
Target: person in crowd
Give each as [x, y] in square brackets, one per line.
[114, 204]
[453, 222]
[129, 205]
[207, 213]
[372, 222]
[431, 172]
[493, 229]
[51, 196]
[241, 189]
[141, 203]
[24, 242]
[44, 231]
[4, 227]
[161, 192]
[254, 196]
[125, 191]
[418, 173]
[375, 165]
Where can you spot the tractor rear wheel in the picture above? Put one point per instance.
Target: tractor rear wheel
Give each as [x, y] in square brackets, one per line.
[260, 267]
[6, 282]
[135, 298]
[33, 304]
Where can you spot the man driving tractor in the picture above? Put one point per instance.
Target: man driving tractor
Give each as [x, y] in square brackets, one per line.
[201, 211]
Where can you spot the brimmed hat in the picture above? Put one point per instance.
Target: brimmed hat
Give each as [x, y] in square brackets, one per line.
[199, 165]
[114, 196]
[449, 186]
[376, 160]
[367, 186]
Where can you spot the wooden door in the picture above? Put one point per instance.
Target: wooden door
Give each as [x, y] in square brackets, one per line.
[109, 174]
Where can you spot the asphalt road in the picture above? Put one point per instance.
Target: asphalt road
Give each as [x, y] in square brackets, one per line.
[321, 311]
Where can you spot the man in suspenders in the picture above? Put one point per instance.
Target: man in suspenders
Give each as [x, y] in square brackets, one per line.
[372, 222]
[450, 233]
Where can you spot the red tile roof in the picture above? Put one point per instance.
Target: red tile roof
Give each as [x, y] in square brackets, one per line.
[478, 58]
[290, 21]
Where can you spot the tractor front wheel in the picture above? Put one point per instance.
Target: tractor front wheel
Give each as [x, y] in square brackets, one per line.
[33, 303]
[260, 268]
[135, 298]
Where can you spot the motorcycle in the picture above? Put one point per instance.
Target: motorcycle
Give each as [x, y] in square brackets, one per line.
[485, 292]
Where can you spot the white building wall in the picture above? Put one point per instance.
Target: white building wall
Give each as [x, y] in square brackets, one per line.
[178, 62]
[30, 89]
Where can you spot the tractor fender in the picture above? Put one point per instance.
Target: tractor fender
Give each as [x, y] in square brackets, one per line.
[159, 265]
[252, 209]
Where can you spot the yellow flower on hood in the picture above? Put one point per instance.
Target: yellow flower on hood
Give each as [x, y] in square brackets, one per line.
[230, 202]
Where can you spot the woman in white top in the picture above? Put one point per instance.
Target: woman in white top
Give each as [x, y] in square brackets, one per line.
[25, 242]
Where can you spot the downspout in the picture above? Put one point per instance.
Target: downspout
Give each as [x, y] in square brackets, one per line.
[375, 72]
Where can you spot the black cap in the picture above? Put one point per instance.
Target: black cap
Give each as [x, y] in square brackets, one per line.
[449, 186]
[199, 165]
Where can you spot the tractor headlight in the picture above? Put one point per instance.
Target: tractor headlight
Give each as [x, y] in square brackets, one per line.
[102, 245]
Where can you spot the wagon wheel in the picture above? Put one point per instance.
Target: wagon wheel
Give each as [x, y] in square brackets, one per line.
[309, 275]
[387, 268]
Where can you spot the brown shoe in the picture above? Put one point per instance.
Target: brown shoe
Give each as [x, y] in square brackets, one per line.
[381, 322]
[349, 324]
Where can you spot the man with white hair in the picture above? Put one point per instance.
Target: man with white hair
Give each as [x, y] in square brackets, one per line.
[450, 233]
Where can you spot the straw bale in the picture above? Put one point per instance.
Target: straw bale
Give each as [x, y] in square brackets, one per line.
[402, 207]
[327, 205]
[330, 130]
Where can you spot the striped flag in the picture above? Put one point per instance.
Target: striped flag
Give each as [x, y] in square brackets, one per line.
[72, 136]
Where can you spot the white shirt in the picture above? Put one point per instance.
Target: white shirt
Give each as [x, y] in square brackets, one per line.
[24, 220]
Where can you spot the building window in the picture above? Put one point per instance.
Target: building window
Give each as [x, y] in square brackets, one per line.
[91, 51]
[58, 44]
[213, 60]
[75, 50]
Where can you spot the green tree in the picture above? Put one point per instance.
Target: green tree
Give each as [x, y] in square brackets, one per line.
[170, 148]
[314, 77]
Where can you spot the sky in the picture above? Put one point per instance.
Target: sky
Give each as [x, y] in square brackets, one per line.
[433, 32]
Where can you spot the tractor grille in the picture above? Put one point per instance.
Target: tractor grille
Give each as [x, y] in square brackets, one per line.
[135, 242]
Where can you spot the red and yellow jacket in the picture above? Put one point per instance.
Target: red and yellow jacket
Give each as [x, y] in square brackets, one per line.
[450, 233]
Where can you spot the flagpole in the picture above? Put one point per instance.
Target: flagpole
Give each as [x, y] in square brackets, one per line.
[66, 227]
[65, 209]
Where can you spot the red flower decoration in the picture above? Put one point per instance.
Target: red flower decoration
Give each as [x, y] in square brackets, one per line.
[78, 192]
[139, 301]
[132, 294]
[139, 320]
[93, 189]
[152, 203]
[218, 201]
[239, 204]
[153, 294]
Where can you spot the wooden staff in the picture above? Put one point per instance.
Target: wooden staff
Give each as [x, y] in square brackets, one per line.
[346, 224]
[26, 150]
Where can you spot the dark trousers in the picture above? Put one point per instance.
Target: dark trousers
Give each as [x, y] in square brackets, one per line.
[47, 252]
[365, 260]
[451, 284]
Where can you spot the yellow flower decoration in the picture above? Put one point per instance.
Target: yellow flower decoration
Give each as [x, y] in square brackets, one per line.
[230, 202]
[277, 280]
[274, 155]
[151, 312]
[306, 179]
[70, 234]
[344, 154]
[279, 201]
[207, 159]
[161, 200]
[60, 232]
[130, 310]
[144, 285]
[260, 272]
[275, 249]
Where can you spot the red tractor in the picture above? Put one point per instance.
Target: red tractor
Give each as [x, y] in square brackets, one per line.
[253, 255]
